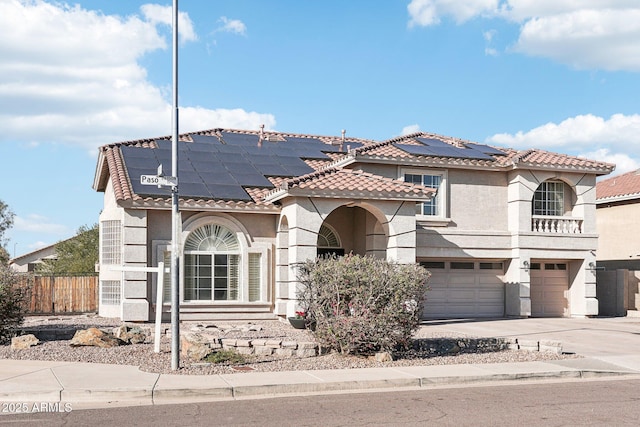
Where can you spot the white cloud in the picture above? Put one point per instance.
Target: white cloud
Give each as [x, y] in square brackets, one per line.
[429, 12]
[39, 224]
[624, 163]
[585, 135]
[585, 34]
[234, 26]
[157, 14]
[71, 75]
[410, 129]
[587, 39]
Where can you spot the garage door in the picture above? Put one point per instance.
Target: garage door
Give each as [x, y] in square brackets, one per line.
[464, 290]
[549, 286]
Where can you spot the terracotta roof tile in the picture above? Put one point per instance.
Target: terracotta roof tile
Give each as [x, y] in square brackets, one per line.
[626, 185]
[349, 182]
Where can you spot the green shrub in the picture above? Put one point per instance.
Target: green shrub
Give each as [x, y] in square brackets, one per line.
[14, 298]
[361, 305]
[225, 356]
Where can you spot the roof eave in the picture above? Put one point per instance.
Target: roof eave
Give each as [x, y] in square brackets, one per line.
[621, 198]
[101, 175]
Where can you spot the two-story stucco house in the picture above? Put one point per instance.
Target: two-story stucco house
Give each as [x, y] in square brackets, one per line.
[503, 232]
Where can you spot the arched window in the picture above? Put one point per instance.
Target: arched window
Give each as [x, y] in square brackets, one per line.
[212, 264]
[549, 199]
[328, 242]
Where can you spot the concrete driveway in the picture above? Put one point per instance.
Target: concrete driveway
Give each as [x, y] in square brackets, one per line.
[613, 339]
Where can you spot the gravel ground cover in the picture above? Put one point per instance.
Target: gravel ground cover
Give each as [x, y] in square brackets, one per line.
[142, 355]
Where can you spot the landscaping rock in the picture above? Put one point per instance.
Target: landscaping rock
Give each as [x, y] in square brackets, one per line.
[197, 346]
[24, 341]
[130, 334]
[383, 356]
[96, 338]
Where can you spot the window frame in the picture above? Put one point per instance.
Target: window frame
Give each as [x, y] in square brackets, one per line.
[441, 196]
[254, 271]
[549, 198]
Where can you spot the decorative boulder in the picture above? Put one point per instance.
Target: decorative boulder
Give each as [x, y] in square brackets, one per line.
[94, 337]
[197, 346]
[129, 334]
[24, 341]
[383, 356]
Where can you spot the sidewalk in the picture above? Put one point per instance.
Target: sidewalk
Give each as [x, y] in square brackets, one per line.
[84, 385]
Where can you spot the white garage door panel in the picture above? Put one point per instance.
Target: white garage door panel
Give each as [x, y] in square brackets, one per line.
[461, 294]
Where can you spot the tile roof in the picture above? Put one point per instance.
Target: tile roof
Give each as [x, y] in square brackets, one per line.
[625, 186]
[332, 176]
[339, 182]
[511, 158]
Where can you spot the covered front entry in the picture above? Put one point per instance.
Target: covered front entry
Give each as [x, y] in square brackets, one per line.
[464, 289]
[549, 288]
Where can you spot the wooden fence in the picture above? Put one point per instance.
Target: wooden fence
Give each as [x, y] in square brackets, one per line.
[75, 294]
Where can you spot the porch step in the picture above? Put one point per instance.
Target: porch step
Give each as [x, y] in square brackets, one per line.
[633, 313]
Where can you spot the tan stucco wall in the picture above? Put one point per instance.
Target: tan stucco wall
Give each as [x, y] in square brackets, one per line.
[477, 200]
[619, 232]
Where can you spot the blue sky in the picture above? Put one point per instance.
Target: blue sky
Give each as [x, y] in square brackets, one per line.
[558, 75]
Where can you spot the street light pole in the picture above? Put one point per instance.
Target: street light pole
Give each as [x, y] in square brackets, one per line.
[175, 214]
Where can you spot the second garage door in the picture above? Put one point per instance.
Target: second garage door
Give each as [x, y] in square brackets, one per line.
[464, 290]
[549, 285]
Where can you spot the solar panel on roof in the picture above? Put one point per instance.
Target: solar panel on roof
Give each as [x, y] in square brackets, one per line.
[228, 192]
[249, 179]
[207, 165]
[205, 139]
[197, 147]
[221, 176]
[164, 144]
[225, 158]
[309, 153]
[272, 170]
[240, 139]
[448, 151]
[230, 149]
[189, 176]
[432, 142]
[485, 149]
[298, 140]
[294, 170]
[194, 190]
[135, 151]
[141, 162]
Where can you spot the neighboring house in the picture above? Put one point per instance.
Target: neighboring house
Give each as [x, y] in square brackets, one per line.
[618, 222]
[504, 232]
[30, 261]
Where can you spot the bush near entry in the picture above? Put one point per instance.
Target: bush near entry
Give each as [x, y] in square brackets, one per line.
[362, 305]
[14, 297]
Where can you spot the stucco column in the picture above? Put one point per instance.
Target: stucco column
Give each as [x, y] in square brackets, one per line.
[401, 225]
[304, 224]
[518, 287]
[582, 290]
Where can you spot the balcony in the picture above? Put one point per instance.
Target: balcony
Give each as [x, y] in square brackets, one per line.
[556, 224]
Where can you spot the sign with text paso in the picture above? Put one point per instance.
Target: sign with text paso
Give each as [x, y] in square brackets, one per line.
[160, 181]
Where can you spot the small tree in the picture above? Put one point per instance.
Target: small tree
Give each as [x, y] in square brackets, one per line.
[14, 298]
[77, 255]
[361, 305]
[6, 221]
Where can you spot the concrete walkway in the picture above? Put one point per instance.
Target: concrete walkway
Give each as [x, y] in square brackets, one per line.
[610, 347]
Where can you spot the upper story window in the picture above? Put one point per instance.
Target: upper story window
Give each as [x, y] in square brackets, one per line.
[111, 242]
[433, 179]
[549, 200]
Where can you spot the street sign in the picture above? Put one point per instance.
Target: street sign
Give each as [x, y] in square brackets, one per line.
[160, 181]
